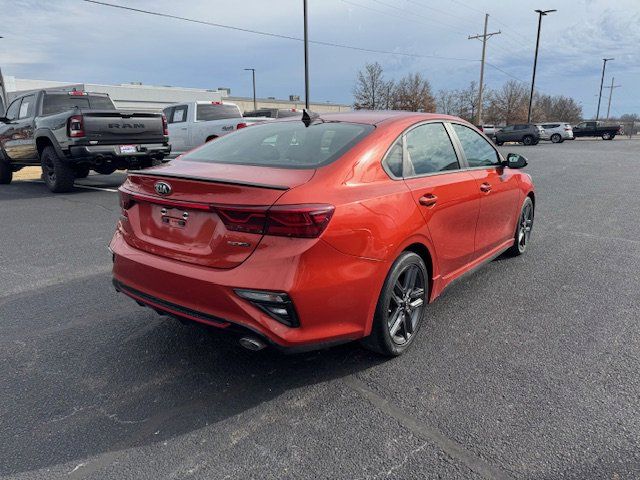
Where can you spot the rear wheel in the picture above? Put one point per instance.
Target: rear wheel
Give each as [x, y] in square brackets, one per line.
[401, 306]
[556, 138]
[6, 172]
[58, 175]
[527, 140]
[523, 230]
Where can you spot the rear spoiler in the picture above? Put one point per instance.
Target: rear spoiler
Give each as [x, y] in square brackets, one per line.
[147, 173]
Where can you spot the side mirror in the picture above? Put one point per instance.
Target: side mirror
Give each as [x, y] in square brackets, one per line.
[515, 161]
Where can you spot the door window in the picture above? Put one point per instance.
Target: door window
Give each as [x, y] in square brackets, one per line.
[429, 150]
[393, 161]
[478, 151]
[12, 111]
[179, 114]
[27, 106]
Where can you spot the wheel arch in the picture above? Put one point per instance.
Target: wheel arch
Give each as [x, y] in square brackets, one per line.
[44, 139]
[421, 249]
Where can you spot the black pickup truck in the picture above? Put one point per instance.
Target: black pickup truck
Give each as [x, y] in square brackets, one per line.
[596, 129]
[71, 133]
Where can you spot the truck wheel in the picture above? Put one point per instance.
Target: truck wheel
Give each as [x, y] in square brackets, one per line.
[527, 140]
[82, 171]
[58, 175]
[556, 138]
[105, 169]
[499, 143]
[606, 136]
[6, 172]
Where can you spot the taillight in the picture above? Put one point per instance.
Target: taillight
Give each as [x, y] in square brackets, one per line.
[75, 126]
[299, 221]
[302, 221]
[241, 125]
[165, 126]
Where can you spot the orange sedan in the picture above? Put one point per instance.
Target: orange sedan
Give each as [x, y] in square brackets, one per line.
[307, 233]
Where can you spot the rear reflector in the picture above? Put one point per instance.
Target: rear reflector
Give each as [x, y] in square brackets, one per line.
[241, 125]
[75, 126]
[277, 305]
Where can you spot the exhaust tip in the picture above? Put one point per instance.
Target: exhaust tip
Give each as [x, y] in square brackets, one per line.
[252, 343]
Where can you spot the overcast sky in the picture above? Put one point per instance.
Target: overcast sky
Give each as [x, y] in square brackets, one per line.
[74, 41]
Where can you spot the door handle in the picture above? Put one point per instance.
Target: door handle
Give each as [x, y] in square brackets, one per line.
[485, 187]
[428, 200]
[183, 128]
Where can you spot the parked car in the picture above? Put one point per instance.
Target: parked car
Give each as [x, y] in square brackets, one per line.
[596, 129]
[557, 132]
[71, 133]
[488, 130]
[193, 123]
[527, 134]
[274, 113]
[322, 231]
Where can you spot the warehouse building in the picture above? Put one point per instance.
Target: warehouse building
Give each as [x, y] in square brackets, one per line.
[136, 96]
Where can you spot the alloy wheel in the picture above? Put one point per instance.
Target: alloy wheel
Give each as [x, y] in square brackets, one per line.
[524, 227]
[406, 304]
[48, 169]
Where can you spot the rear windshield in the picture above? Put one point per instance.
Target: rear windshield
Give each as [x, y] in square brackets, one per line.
[217, 112]
[61, 103]
[283, 144]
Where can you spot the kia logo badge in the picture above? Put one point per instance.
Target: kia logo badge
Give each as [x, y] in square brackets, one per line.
[162, 188]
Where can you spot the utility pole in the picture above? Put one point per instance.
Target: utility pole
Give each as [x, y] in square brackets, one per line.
[3, 93]
[541, 13]
[253, 74]
[483, 38]
[306, 57]
[604, 67]
[611, 95]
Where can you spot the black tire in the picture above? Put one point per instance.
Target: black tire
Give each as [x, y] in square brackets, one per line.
[58, 175]
[499, 143]
[527, 140]
[612, 136]
[212, 137]
[82, 171]
[6, 172]
[556, 138]
[105, 169]
[523, 229]
[401, 306]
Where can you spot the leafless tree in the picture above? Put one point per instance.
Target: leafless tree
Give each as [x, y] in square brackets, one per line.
[508, 104]
[413, 93]
[372, 90]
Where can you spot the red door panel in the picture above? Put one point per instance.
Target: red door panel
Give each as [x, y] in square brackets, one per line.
[450, 204]
[499, 205]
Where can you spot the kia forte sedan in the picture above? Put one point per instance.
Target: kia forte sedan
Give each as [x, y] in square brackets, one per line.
[307, 233]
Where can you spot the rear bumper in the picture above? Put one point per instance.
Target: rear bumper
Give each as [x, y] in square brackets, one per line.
[334, 294]
[93, 152]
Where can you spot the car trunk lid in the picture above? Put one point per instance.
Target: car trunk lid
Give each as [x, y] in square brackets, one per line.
[205, 214]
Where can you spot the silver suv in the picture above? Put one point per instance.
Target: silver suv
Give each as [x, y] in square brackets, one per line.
[557, 132]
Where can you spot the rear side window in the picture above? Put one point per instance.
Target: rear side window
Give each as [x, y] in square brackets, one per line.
[58, 103]
[393, 160]
[551, 125]
[179, 114]
[477, 150]
[27, 107]
[429, 150]
[283, 144]
[217, 111]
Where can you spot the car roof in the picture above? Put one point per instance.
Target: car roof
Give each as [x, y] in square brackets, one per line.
[375, 117]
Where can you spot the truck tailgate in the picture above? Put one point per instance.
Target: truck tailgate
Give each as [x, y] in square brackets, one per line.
[110, 127]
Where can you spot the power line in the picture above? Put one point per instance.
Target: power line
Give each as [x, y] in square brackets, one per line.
[385, 14]
[442, 24]
[276, 35]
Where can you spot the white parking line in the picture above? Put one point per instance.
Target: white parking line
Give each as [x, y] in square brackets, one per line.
[86, 187]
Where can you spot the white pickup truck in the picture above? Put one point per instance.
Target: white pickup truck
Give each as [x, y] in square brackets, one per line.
[193, 123]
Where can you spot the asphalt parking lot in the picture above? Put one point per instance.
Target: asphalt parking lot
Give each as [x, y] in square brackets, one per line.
[528, 368]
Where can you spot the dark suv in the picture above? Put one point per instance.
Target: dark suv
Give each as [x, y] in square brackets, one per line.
[527, 133]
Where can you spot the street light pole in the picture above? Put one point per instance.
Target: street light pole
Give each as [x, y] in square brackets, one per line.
[541, 13]
[253, 75]
[604, 66]
[3, 92]
[306, 57]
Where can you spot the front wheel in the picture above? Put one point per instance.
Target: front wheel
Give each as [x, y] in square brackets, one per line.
[527, 140]
[499, 143]
[556, 138]
[523, 229]
[401, 306]
[6, 172]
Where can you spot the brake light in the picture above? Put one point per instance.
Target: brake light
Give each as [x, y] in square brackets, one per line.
[165, 126]
[77, 93]
[241, 125]
[75, 126]
[216, 103]
[299, 221]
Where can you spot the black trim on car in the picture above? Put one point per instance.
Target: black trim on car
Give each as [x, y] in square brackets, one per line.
[207, 179]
